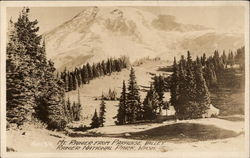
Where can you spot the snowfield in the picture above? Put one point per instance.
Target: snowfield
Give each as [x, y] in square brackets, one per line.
[227, 125]
[41, 140]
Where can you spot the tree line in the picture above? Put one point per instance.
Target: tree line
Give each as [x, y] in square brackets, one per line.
[214, 67]
[83, 75]
[191, 81]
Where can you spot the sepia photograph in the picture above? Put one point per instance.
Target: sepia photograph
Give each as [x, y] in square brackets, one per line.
[125, 79]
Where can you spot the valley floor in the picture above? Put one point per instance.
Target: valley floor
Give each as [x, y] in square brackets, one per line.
[202, 135]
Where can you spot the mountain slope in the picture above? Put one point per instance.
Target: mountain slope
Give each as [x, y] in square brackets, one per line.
[97, 33]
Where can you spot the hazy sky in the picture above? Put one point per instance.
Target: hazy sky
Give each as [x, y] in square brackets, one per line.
[229, 18]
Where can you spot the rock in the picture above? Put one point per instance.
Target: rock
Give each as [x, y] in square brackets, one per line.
[212, 111]
[127, 135]
[182, 135]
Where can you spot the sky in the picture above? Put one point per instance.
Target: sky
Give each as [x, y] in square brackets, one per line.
[222, 18]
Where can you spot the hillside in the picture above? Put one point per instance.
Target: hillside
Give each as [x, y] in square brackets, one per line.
[96, 87]
[98, 32]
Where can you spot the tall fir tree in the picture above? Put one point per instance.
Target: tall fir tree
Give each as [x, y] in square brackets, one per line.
[151, 104]
[69, 110]
[41, 93]
[159, 85]
[104, 67]
[174, 86]
[122, 114]
[70, 82]
[202, 93]
[190, 84]
[182, 98]
[102, 112]
[74, 81]
[85, 75]
[90, 72]
[54, 99]
[19, 89]
[203, 59]
[134, 108]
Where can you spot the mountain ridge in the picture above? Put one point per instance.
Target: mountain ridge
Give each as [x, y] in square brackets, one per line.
[97, 33]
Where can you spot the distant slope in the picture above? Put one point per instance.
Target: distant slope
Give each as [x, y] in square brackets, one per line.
[96, 87]
[97, 33]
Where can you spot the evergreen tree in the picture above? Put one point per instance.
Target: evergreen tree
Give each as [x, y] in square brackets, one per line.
[210, 76]
[203, 59]
[74, 81]
[70, 81]
[133, 99]
[183, 61]
[182, 98]
[95, 72]
[100, 69]
[122, 115]
[85, 75]
[20, 99]
[189, 59]
[232, 59]
[77, 108]
[150, 104]
[65, 79]
[90, 72]
[104, 67]
[224, 57]
[32, 88]
[202, 93]
[174, 87]
[69, 109]
[95, 121]
[159, 87]
[74, 111]
[109, 66]
[198, 61]
[54, 96]
[78, 77]
[240, 58]
[102, 113]
[190, 84]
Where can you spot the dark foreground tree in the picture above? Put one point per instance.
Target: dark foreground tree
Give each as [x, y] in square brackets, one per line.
[20, 98]
[174, 87]
[95, 121]
[102, 112]
[202, 93]
[151, 104]
[122, 115]
[32, 88]
[134, 109]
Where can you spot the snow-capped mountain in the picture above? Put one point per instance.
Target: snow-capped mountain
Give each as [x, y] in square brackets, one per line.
[97, 33]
